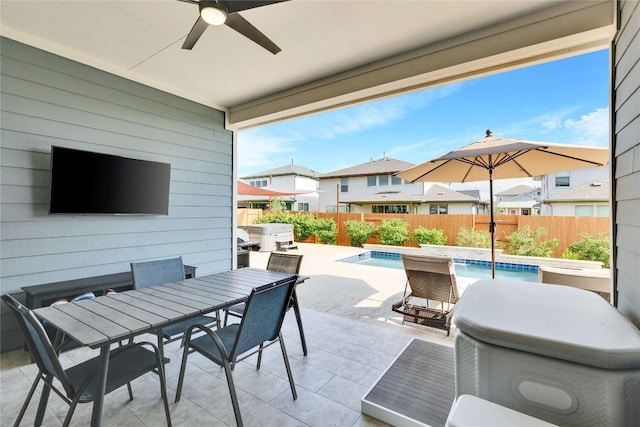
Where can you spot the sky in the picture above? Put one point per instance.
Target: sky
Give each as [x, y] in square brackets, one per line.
[564, 101]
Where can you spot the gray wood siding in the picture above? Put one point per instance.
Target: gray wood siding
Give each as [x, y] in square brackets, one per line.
[626, 149]
[49, 100]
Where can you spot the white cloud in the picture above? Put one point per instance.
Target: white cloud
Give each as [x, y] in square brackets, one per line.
[257, 149]
[591, 128]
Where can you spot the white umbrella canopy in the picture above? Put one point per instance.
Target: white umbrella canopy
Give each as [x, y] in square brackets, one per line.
[499, 158]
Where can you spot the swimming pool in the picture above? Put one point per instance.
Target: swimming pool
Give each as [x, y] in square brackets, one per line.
[464, 267]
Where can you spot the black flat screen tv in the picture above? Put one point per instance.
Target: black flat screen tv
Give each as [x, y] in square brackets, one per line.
[84, 182]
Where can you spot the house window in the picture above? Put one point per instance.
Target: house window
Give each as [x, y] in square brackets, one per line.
[258, 184]
[584, 210]
[438, 209]
[371, 181]
[332, 208]
[390, 209]
[383, 180]
[602, 210]
[303, 207]
[562, 179]
[526, 211]
[344, 185]
[395, 180]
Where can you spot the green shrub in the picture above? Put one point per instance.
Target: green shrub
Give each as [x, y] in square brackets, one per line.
[472, 238]
[527, 242]
[590, 248]
[280, 217]
[326, 231]
[359, 232]
[393, 232]
[424, 236]
[303, 225]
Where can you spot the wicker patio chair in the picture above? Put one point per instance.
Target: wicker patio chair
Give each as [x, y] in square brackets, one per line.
[78, 383]
[284, 263]
[258, 329]
[433, 291]
[153, 273]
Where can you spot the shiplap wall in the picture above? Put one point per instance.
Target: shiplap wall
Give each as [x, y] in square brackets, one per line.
[49, 100]
[626, 86]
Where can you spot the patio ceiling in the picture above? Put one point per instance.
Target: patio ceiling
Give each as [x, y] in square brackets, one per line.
[334, 53]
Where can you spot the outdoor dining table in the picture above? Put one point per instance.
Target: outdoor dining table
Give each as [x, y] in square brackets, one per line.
[97, 323]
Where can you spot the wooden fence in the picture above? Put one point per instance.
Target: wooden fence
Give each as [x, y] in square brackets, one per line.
[567, 229]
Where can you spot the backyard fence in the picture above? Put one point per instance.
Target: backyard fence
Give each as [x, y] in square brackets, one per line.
[567, 229]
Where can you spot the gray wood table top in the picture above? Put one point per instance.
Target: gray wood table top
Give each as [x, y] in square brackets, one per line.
[106, 319]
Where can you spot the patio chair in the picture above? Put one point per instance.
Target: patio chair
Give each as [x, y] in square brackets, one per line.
[153, 273]
[78, 382]
[433, 291]
[258, 329]
[284, 263]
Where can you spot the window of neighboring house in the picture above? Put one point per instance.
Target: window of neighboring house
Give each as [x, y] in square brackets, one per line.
[526, 211]
[562, 179]
[584, 210]
[303, 207]
[344, 185]
[383, 180]
[389, 209]
[438, 209]
[332, 208]
[262, 183]
[395, 180]
[371, 181]
[602, 210]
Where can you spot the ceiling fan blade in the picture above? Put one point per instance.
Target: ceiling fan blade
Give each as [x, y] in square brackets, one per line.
[244, 27]
[240, 5]
[195, 33]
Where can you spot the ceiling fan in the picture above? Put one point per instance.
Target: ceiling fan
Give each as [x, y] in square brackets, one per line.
[219, 12]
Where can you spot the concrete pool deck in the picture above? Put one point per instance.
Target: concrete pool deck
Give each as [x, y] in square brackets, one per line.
[359, 292]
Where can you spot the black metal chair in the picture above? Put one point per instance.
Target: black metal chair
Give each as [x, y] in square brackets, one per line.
[152, 273]
[258, 329]
[284, 263]
[79, 382]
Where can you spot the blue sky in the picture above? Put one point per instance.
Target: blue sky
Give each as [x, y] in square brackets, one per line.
[565, 101]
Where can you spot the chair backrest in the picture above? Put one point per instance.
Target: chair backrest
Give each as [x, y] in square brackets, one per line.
[284, 262]
[152, 273]
[263, 315]
[38, 342]
[432, 278]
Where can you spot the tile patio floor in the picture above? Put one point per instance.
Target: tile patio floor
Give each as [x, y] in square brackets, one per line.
[347, 354]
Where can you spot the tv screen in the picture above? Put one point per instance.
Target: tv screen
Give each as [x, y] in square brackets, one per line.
[84, 182]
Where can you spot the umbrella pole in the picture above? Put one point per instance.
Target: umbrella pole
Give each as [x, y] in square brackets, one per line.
[492, 225]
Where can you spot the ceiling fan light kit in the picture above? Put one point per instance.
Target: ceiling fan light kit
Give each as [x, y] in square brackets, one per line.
[212, 12]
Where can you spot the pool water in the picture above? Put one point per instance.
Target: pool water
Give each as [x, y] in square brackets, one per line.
[464, 268]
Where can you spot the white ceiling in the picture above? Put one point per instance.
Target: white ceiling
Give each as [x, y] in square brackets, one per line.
[333, 51]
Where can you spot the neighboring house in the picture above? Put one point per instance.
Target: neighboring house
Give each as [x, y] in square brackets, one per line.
[372, 180]
[371, 188]
[482, 208]
[590, 199]
[289, 178]
[518, 200]
[554, 184]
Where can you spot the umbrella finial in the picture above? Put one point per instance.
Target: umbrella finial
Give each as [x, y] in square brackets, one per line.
[488, 132]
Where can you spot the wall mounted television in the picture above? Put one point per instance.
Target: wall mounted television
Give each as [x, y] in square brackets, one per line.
[84, 182]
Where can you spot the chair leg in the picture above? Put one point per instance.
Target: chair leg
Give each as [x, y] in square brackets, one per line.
[26, 402]
[296, 311]
[259, 357]
[183, 366]
[288, 367]
[44, 398]
[232, 392]
[163, 388]
[72, 408]
[226, 317]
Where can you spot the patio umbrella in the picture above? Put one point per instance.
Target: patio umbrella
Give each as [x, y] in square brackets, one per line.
[501, 158]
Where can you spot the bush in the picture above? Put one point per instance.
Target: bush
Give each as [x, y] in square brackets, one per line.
[280, 217]
[326, 231]
[303, 225]
[526, 242]
[424, 236]
[359, 232]
[472, 238]
[393, 232]
[590, 248]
